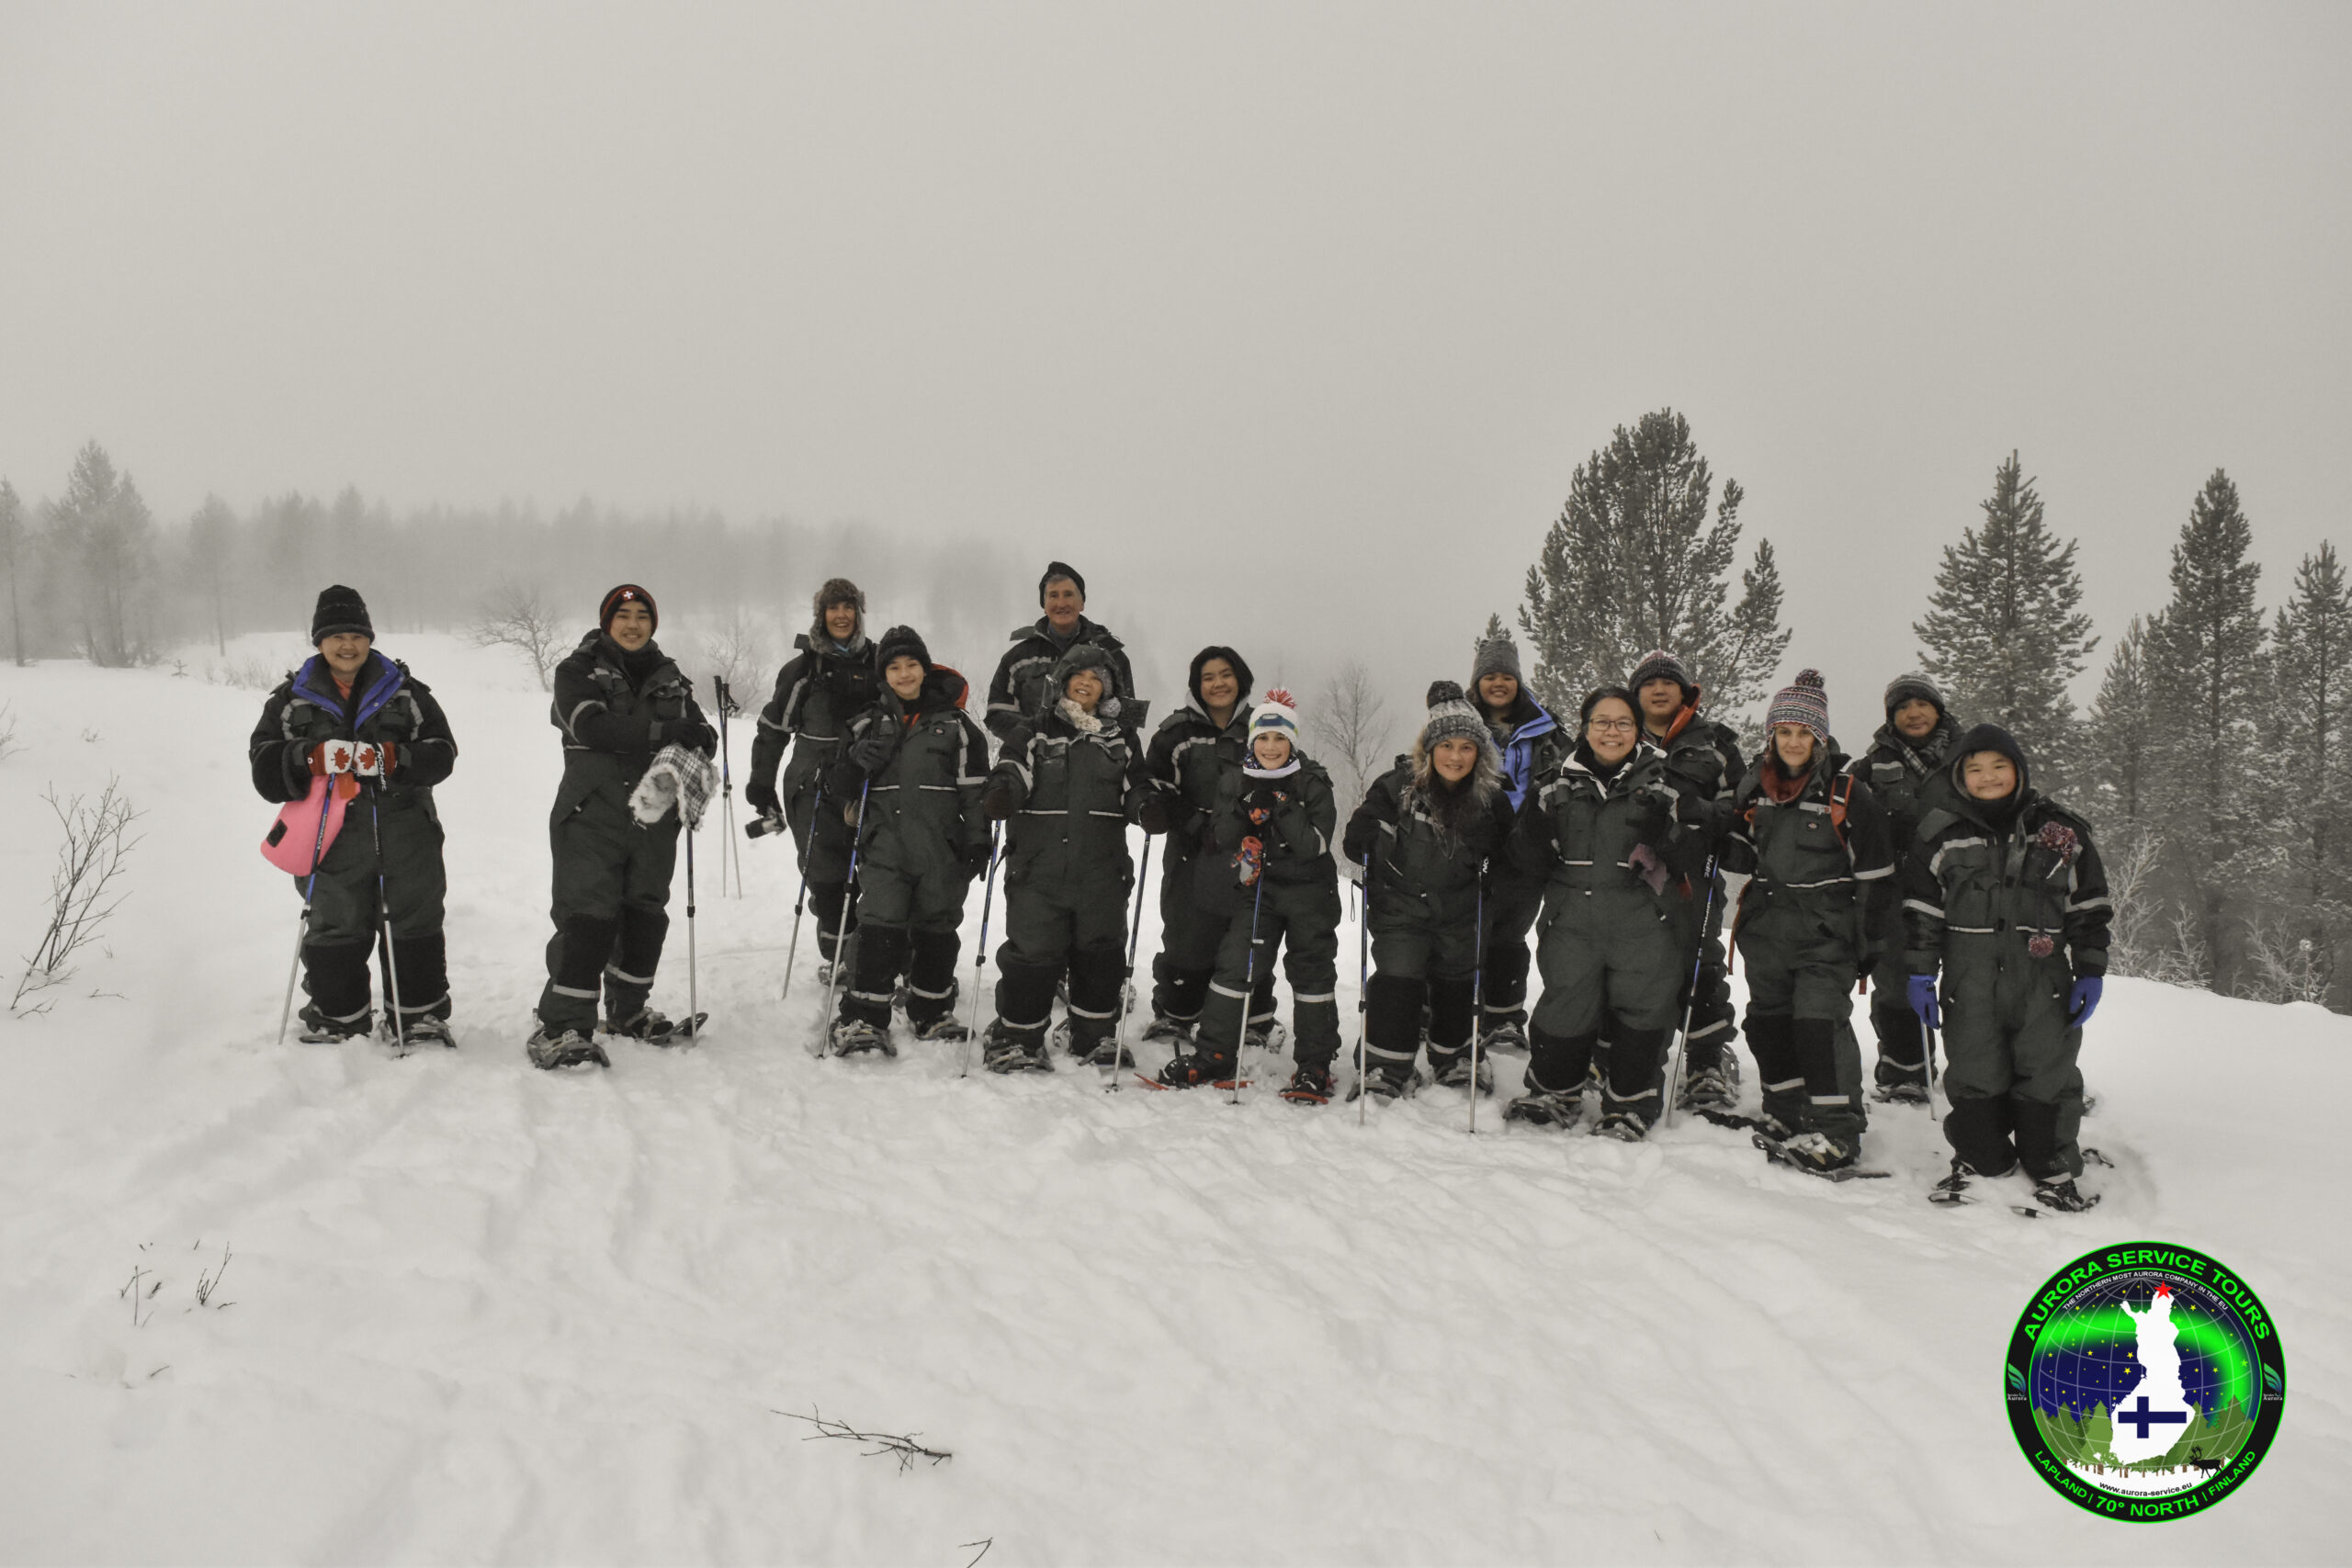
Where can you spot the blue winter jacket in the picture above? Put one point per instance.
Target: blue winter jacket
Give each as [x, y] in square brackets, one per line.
[1526, 733]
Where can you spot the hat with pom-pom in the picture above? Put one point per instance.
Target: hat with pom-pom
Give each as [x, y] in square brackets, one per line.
[1806, 700]
[1451, 718]
[1278, 715]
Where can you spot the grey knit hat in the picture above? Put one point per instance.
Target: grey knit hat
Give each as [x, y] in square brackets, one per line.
[1496, 656]
[1915, 683]
[1805, 702]
[1451, 718]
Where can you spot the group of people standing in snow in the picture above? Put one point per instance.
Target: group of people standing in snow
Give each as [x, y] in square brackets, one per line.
[1640, 852]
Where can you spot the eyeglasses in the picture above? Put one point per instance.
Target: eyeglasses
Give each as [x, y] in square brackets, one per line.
[1610, 726]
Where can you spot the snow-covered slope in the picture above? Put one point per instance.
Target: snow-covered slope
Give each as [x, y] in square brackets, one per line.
[482, 1313]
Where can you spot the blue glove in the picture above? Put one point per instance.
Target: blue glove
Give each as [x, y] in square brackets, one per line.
[1922, 992]
[2083, 1000]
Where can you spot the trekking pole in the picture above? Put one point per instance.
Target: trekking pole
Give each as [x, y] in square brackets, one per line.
[694, 998]
[1249, 983]
[384, 914]
[1671, 1090]
[1363, 998]
[801, 902]
[979, 957]
[1928, 1049]
[1477, 995]
[302, 921]
[727, 794]
[1127, 984]
[833, 980]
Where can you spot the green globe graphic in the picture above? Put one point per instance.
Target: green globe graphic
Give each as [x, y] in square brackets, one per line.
[2145, 1385]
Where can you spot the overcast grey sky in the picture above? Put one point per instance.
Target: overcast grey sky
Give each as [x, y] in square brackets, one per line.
[1286, 322]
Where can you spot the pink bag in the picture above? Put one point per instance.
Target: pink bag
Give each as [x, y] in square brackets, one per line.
[299, 840]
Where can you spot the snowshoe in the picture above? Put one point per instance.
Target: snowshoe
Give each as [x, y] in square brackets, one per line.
[2061, 1193]
[1709, 1089]
[1007, 1051]
[1380, 1086]
[1546, 1108]
[1622, 1125]
[854, 1037]
[1191, 1069]
[1269, 1037]
[1454, 1073]
[317, 1029]
[1953, 1189]
[427, 1030]
[1503, 1037]
[1163, 1027]
[946, 1026]
[1310, 1086]
[1905, 1091]
[825, 974]
[1816, 1155]
[1110, 1054]
[568, 1049]
[654, 1028]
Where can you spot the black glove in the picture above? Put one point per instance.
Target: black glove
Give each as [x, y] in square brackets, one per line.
[690, 733]
[1154, 816]
[871, 752]
[976, 860]
[760, 797]
[1656, 800]
[997, 805]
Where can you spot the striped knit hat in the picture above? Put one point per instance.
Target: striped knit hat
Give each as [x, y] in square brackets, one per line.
[1806, 701]
[1451, 718]
[1657, 664]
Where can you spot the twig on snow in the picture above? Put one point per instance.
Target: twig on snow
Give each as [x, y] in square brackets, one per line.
[905, 1448]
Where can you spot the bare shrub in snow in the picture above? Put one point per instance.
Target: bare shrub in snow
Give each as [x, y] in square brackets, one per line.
[80, 887]
[9, 730]
[515, 617]
[2283, 965]
[2135, 936]
[1348, 720]
[739, 648]
[905, 1448]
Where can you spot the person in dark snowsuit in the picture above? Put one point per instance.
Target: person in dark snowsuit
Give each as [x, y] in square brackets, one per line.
[1268, 861]
[1434, 827]
[2004, 894]
[1600, 828]
[1066, 784]
[618, 700]
[1812, 841]
[918, 762]
[1022, 687]
[1912, 747]
[827, 680]
[1704, 764]
[1190, 753]
[1530, 745]
[399, 747]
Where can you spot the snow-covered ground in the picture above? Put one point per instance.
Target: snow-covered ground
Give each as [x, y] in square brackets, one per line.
[486, 1313]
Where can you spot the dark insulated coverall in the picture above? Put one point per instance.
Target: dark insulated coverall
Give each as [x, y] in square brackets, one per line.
[612, 873]
[1189, 752]
[2014, 917]
[1294, 905]
[1068, 871]
[817, 694]
[923, 832]
[1804, 927]
[388, 706]
[1424, 904]
[1897, 770]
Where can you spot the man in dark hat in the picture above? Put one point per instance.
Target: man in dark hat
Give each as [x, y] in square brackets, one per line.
[618, 700]
[1021, 686]
[1910, 748]
[361, 725]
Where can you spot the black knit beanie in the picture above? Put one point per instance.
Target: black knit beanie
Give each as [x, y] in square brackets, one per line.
[1988, 738]
[339, 609]
[1055, 569]
[627, 593]
[901, 642]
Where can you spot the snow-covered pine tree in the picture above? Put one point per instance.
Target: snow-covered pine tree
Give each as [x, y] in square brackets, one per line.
[1634, 562]
[2309, 720]
[103, 535]
[211, 557]
[2204, 661]
[2004, 630]
[2122, 738]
